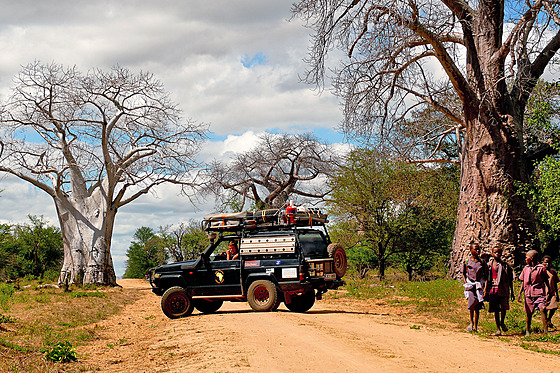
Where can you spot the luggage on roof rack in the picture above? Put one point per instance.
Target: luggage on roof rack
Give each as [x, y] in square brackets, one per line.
[264, 219]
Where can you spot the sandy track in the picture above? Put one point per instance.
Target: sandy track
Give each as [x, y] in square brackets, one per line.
[335, 336]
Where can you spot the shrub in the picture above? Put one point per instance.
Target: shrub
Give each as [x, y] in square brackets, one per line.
[62, 352]
[6, 291]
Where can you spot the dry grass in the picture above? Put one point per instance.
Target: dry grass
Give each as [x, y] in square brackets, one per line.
[40, 318]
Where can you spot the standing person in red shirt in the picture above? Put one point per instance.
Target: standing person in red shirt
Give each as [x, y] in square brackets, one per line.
[552, 300]
[535, 286]
[474, 276]
[499, 288]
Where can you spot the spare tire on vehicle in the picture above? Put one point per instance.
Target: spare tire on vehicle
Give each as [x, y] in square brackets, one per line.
[337, 252]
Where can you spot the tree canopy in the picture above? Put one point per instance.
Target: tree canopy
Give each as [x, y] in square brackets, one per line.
[279, 167]
[32, 249]
[94, 142]
[147, 250]
[393, 210]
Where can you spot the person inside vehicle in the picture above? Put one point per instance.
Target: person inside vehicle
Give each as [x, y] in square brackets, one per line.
[232, 252]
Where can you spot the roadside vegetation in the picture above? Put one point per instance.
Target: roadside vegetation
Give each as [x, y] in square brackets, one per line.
[41, 326]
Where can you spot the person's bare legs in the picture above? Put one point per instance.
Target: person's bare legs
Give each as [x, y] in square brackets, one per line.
[476, 316]
[498, 323]
[503, 321]
[544, 321]
[528, 317]
[549, 314]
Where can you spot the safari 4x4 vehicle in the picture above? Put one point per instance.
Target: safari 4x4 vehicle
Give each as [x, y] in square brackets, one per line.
[284, 256]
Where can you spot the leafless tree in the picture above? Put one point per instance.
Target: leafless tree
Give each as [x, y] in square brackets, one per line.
[94, 143]
[279, 167]
[403, 55]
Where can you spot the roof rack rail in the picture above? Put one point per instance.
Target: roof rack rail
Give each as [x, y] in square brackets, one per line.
[268, 219]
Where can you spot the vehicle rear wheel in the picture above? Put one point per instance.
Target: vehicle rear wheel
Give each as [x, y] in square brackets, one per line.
[337, 252]
[207, 306]
[301, 303]
[176, 303]
[262, 296]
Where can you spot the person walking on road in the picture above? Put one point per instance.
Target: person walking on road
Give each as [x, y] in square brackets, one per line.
[535, 286]
[499, 288]
[474, 276]
[552, 300]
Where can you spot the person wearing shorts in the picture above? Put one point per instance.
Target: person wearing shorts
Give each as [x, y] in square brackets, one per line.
[499, 288]
[535, 286]
[474, 276]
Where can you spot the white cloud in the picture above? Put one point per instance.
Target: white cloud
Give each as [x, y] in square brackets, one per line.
[196, 48]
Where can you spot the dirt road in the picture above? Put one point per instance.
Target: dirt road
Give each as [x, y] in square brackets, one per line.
[334, 336]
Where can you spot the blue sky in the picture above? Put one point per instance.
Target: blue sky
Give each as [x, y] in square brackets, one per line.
[232, 65]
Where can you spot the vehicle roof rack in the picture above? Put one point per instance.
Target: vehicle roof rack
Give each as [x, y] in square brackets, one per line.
[269, 219]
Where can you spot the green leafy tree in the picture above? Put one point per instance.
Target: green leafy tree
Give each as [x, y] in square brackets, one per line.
[146, 250]
[6, 255]
[32, 249]
[543, 143]
[184, 241]
[544, 200]
[382, 200]
[425, 240]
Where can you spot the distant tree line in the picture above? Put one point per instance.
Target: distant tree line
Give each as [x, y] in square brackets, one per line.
[30, 250]
[150, 248]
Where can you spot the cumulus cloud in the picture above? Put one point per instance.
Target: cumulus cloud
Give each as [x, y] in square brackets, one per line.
[233, 65]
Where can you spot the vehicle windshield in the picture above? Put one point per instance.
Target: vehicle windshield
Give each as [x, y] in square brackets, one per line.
[313, 244]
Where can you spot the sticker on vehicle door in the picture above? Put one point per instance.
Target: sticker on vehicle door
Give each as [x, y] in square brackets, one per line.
[252, 263]
[219, 277]
[289, 273]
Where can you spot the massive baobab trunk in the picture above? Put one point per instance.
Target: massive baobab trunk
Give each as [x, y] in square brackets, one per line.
[87, 226]
[490, 211]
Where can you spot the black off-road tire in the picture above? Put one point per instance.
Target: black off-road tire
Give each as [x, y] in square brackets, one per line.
[263, 296]
[176, 303]
[337, 252]
[207, 306]
[302, 303]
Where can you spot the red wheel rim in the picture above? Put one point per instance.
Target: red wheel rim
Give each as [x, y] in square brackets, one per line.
[177, 303]
[261, 294]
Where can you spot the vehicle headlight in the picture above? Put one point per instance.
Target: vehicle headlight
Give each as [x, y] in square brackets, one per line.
[157, 275]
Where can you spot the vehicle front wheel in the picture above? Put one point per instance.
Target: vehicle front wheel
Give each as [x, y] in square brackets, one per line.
[301, 303]
[176, 303]
[207, 306]
[263, 296]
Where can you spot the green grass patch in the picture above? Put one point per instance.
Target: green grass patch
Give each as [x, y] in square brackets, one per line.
[83, 294]
[535, 348]
[47, 317]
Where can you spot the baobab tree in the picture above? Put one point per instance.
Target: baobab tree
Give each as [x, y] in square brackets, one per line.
[94, 142]
[279, 167]
[487, 56]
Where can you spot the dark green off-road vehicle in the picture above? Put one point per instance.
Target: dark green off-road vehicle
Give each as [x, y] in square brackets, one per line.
[282, 258]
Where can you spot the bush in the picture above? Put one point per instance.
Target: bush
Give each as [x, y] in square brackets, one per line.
[62, 352]
[6, 291]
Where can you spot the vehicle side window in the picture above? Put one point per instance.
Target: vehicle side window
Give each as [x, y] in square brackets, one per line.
[219, 252]
[313, 244]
